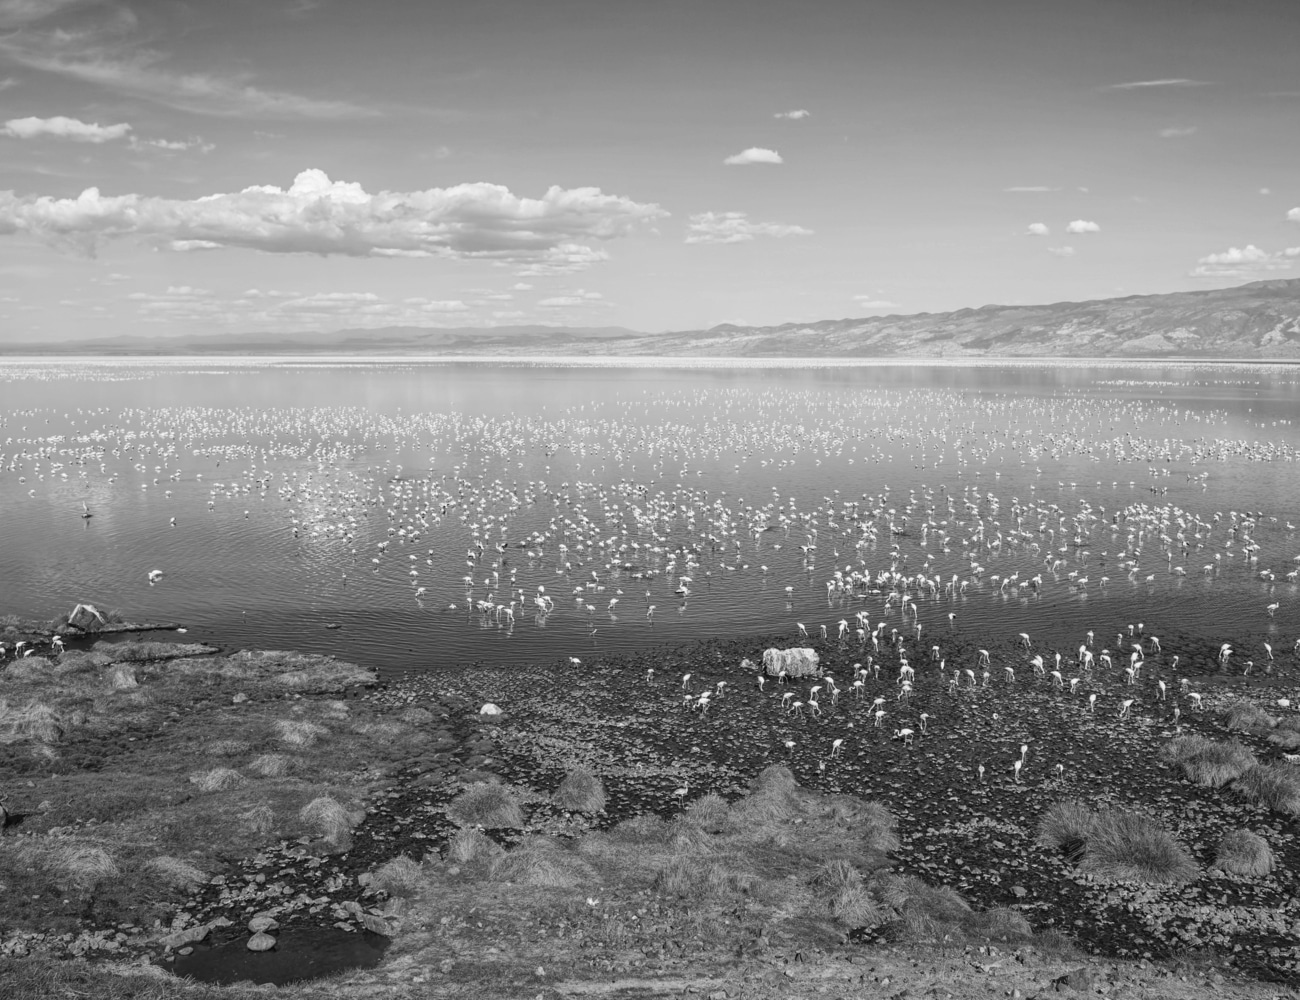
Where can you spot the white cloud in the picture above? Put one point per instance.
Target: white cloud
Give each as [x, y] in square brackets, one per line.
[173, 145]
[108, 53]
[1244, 262]
[320, 216]
[794, 115]
[567, 258]
[521, 286]
[579, 298]
[1082, 226]
[1177, 131]
[1168, 82]
[1037, 229]
[1293, 215]
[1061, 251]
[60, 127]
[735, 227]
[754, 154]
[867, 302]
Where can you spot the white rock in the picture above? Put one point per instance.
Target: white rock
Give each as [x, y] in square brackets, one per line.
[262, 922]
[261, 942]
[489, 709]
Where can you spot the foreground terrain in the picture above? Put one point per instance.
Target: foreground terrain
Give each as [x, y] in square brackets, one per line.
[600, 837]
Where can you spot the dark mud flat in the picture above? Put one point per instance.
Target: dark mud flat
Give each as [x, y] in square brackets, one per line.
[300, 954]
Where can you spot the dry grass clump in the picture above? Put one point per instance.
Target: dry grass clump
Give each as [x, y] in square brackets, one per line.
[710, 813]
[227, 748]
[1287, 739]
[580, 792]
[175, 872]
[329, 818]
[271, 765]
[34, 721]
[71, 866]
[1248, 716]
[1275, 786]
[1242, 852]
[1064, 824]
[298, 733]
[645, 829]
[470, 844]
[544, 864]
[490, 806]
[1124, 846]
[400, 877]
[1207, 762]
[121, 677]
[259, 820]
[219, 779]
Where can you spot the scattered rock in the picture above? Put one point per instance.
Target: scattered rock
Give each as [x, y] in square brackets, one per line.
[1076, 979]
[489, 709]
[263, 922]
[261, 942]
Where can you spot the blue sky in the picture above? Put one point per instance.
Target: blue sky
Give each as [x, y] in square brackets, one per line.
[171, 167]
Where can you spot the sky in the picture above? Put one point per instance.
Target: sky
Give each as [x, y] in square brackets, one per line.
[233, 166]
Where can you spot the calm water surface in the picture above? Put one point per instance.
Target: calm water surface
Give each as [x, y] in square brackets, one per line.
[281, 497]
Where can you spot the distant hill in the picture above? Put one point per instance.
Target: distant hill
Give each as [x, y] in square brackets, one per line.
[1260, 320]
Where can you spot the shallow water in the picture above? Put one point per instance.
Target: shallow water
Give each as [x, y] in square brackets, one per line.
[300, 953]
[284, 478]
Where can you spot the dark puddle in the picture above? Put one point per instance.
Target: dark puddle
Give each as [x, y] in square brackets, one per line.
[300, 953]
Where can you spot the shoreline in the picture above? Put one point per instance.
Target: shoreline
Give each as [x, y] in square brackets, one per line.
[630, 729]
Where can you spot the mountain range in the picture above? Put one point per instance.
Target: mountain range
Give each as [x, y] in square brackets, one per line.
[1260, 320]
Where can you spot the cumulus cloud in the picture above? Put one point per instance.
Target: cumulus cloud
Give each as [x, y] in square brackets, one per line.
[567, 258]
[1177, 131]
[1061, 251]
[1037, 229]
[794, 115]
[868, 302]
[1179, 81]
[1082, 226]
[60, 127]
[734, 227]
[754, 154]
[172, 145]
[319, 216]
[1293, 215]
[1244, 262]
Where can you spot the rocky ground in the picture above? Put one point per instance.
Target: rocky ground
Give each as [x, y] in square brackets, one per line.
[161, 795]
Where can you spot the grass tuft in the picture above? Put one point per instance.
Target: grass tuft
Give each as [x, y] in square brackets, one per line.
[227, 748]
[469, 844]
[219, 779]
[327, 816]
[490, 806]
[260, 819]
[121, 677]
[1248, 716]
[400, 877]
[271, 765]
[1064, 824]
[1275, 786]
[298, 732]
[1242, 852]
[580, 792]
[541, 865]
[1125, 846]
[175, 872]
[710, 813]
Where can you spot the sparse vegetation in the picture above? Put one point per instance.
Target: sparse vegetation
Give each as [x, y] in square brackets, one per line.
[491, 806]
[1242, 852]
[1065, 825]
[400, 877]
[1248, 716]
[581, 792]
[1275, 786]
[1128, 846]
[1207, 762]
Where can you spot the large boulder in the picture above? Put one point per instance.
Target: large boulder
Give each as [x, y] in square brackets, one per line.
[797, 662]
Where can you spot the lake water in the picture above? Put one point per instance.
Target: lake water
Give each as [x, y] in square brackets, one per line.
[281, 497]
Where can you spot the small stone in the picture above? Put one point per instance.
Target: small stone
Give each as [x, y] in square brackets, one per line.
[263, 922]
[1019, 891]
[187, 950]
[261, 942]
[489, 709]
